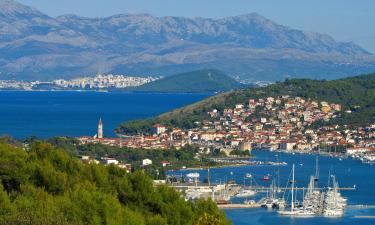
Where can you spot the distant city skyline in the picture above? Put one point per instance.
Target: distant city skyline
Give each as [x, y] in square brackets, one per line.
[345, 20]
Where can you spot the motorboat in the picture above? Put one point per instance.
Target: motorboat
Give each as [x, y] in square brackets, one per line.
[246, 193]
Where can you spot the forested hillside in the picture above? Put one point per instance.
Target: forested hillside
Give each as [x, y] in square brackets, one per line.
[44, 185]
[208, 80]
[356, 94]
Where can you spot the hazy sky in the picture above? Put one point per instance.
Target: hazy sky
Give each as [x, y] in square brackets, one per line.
[345, 20]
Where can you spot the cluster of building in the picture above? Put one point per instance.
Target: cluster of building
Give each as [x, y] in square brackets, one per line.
[275, 123]
[17, 85]
[104, 81]
[365, 154]
[97, 82]
[113, 161]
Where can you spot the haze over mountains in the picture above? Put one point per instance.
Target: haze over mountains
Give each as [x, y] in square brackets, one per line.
[36, 46]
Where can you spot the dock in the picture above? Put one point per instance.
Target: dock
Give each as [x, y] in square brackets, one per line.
[238, 206]
[364, 217]
[265, 189]
[254, 188]
[362, 206]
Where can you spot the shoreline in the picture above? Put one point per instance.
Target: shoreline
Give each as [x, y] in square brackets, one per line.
[211, 167]
[325, 154]
[105, 91]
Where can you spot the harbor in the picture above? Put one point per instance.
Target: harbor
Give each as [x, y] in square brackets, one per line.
[316, 201]
[338, 195]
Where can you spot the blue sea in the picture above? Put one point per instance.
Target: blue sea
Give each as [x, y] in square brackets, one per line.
[47, 114]
[59, 113]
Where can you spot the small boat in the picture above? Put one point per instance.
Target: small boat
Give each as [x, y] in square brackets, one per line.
[246, 193]
[269, 204]
[222, 202]
[280, 203]
[266, 177]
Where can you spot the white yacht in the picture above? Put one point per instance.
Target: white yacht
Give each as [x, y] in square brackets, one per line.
[246, 193]
[334, 204]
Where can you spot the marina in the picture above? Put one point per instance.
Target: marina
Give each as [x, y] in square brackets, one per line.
[316, 201]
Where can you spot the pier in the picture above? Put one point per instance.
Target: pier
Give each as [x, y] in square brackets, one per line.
[265, 189]
[238, 206]
[254, 188]
[364, 217]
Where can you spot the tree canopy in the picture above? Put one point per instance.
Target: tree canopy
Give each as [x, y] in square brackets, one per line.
[42, 184]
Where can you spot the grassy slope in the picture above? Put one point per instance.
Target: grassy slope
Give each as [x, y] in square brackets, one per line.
[350, 92]
[196, 81]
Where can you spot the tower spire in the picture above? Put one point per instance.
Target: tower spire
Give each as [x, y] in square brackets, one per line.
[100, 128]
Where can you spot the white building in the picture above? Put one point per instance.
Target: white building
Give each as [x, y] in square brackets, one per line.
[159, 129]
[146, 162]
[109, 161]
[288, 146]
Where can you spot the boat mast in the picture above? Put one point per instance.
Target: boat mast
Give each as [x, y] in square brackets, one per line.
[316, 178]
[208, 176]
[329, 177]
[317, 167]
[292, 204]
[278, 173]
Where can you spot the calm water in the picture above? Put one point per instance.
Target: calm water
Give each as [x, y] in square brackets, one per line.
[348, 172]
[46, 114]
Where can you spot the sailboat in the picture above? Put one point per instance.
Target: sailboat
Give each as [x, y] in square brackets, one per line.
[295, 211]
[334, 203]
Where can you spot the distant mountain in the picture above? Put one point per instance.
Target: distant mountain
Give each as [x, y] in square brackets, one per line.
[196, 81]
[36, 46]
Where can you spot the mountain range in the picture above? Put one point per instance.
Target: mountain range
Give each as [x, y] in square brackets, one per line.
[34, 45]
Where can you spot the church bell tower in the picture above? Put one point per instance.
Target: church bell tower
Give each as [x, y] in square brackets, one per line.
[100, 128]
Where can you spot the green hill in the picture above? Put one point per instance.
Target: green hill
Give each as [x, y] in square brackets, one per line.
[196, 81]
[355, 93]
[45, 185]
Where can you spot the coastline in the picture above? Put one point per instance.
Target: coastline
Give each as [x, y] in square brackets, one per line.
[325, 154]
[210, 167]
[107, 91]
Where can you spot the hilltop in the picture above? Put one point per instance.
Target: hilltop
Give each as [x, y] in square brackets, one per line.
[195, 81]
[34, 45]
[356, 94]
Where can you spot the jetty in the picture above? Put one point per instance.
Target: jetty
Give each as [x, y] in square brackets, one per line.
[238, 206]
[364, 217]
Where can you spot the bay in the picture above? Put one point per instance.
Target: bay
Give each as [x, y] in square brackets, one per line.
[47, 114]
[70, 113]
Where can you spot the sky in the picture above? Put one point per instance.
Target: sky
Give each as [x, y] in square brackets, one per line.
[345, 20]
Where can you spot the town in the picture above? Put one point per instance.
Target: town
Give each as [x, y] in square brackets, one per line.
[283, 123]
[97, 82]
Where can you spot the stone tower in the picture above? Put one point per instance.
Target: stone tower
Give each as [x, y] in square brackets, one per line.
[100, 128]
